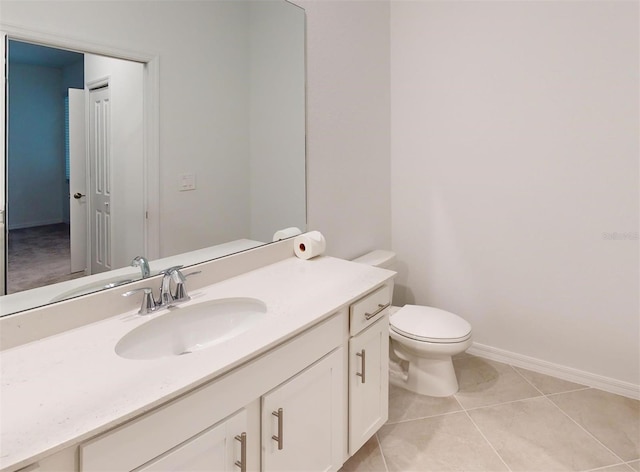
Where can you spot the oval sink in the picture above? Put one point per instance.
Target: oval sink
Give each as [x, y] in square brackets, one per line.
[186, 329]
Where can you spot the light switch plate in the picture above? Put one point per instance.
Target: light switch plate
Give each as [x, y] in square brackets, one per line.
[187, 182]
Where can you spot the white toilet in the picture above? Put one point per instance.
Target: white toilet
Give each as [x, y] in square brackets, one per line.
[423, 340]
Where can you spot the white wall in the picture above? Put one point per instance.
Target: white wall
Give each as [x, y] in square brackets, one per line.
[348, 124]
[277, 117]
[514, 154]
[204, 114]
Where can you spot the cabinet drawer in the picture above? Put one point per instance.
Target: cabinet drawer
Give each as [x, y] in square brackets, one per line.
[369, 309]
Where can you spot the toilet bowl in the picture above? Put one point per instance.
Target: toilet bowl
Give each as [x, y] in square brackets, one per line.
[423, 341]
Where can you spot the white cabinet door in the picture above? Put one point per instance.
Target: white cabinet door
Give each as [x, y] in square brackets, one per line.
[215, 449]
[368, 383]
[303, 420]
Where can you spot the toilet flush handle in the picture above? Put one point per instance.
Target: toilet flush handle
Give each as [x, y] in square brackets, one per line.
[380, 309]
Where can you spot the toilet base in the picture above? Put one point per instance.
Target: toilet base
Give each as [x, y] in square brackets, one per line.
[427, 367]
[434, 377]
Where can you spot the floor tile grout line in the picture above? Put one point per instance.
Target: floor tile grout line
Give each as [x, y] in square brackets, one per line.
[526, 379]
[384, 460]
[423, 417]
[515, 368]
[555, 394]
[604, 467]
[585, 430]
[463, 409]
[487, 440]
[504, 403]
[455, 397]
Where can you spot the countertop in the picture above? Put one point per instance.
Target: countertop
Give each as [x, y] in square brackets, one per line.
[72, 386]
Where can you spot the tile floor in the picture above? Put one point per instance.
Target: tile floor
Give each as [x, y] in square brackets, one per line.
[505, 419]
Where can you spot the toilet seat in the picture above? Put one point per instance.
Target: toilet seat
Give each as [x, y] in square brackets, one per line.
[428, 324]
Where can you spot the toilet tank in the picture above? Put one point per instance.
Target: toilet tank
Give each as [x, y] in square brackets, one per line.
[378, 258]
[384, 260]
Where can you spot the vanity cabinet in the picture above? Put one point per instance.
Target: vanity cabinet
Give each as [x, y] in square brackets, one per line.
[368, 367]
[303, 380]
[302, 418]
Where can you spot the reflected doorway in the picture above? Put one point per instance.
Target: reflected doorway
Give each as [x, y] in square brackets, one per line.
[45, 190]
[38, 220]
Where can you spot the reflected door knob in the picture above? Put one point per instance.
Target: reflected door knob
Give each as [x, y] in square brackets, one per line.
[78, 195]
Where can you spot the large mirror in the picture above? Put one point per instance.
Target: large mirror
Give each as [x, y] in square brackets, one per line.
[204, 105]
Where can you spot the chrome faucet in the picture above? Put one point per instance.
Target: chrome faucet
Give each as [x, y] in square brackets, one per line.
[167, 297]
[179, 295]
[172, 273]
[143, 263]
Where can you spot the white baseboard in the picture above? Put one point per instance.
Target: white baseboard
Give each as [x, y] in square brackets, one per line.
[607, 384]
[33, 224]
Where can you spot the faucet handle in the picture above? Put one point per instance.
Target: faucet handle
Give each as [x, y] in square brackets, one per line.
[181, 292]
[149, 304]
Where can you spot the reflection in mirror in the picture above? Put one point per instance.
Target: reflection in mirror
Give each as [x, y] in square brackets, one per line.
[37, 209]
[74, 156]
[229, 168]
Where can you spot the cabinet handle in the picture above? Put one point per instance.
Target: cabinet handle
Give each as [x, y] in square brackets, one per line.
[363, 355]
[380, 309]
[242, 463]
[280, 415]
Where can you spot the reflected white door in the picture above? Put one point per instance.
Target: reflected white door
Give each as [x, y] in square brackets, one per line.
[77, 181]
[100, 179]
[124, 176]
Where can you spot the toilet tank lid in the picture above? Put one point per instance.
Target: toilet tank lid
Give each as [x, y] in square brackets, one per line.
[377, 258]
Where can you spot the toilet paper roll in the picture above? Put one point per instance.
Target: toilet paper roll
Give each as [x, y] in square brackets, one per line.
[309, 245]
[286, 233]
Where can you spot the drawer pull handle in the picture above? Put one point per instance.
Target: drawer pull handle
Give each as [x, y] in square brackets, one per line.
[280, 415]
[363, 355]
[242, 463]
[380, 309]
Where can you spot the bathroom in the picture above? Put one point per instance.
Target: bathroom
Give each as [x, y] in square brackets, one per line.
[492, 146]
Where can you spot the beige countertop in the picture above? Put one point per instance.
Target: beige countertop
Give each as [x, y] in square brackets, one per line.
[72, 386]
